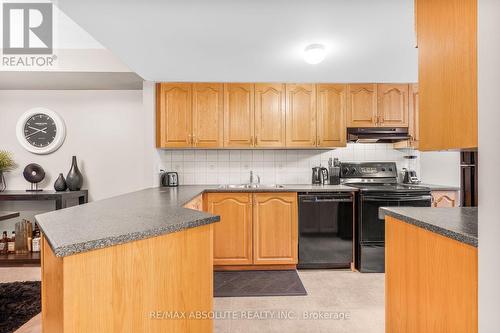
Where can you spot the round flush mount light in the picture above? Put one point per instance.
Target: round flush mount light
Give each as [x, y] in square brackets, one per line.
[314, 54]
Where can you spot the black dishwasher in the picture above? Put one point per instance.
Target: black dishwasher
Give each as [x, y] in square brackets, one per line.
[325, 230]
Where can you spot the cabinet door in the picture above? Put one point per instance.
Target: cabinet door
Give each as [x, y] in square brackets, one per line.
[269, 115]
[392, 105]
[238, 115]
[331, 100]
[275, 228]
[447, 73]
[173, 115]
[362, 105]
[233, 234]
[208, 115]
[444, 199]
[300, 115]
[413, 113]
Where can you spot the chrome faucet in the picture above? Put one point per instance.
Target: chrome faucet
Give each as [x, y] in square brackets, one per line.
[252, 178]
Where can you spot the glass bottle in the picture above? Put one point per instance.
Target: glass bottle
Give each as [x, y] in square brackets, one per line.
[11, 245]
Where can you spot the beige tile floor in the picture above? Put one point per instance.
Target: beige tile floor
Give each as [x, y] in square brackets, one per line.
[358, 296]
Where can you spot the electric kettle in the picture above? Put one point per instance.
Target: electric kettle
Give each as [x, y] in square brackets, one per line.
[319, 175]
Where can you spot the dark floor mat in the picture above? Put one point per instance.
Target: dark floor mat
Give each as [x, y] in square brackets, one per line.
[19, 302]
[258, 283]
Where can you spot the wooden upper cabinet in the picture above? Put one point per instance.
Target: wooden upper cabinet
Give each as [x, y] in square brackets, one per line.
[233, 234]
[362, 105]
[270, 115]
[300, 115]
[413, 128]
[392, 108]
[173, 115]
[331, 109]
[447, 73]
[275, 228]
[208, 115]
[413, 124]
[238, 115]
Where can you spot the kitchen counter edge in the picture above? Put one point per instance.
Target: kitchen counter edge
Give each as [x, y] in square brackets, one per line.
[458, 223]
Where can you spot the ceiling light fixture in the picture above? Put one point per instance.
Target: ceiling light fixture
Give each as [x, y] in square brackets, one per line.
[314, 54]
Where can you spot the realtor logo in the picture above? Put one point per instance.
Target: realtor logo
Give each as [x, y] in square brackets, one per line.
[27, 28]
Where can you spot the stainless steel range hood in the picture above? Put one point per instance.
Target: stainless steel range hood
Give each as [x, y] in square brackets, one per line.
[377, 134]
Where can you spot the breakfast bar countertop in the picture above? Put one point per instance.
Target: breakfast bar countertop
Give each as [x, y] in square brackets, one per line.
[139, 215]
[458, 223]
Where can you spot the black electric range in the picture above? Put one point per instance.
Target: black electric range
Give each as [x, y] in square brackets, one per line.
[378, 187]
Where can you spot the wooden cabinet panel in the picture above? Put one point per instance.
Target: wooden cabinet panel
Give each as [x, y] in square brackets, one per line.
[269, 115]
[208, 115]
[444, 199]
[300, 115]
[362, 105]
[413, 124]
[392, 108]
[275, 228]
[196, 203]
[331, 110]
[233, 234]
[430, 281]
[173, 115]
[447, 72]
[238, 115]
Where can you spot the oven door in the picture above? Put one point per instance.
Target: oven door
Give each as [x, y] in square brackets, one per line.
[371, 228]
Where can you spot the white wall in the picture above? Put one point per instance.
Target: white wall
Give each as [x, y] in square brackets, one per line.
[489, 160]
[105, 130]
[441, 168]
[274, 166]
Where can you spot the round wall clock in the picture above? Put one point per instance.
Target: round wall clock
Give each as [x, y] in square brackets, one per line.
[41, 131]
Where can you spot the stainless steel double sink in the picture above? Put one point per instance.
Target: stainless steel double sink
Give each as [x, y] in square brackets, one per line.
[251, 186]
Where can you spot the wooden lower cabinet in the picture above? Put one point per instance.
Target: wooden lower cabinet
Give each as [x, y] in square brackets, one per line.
[442, 199]
[196, 203]
[430, 281]
[255, 230]
[233, 234]
[275, 228]
[129, 287]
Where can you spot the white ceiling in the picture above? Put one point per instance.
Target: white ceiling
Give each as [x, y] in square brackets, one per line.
[254, 40]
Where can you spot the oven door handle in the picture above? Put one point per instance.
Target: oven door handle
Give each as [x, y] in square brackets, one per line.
[420, 198]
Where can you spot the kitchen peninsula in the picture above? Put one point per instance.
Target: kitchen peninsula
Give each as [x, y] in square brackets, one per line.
[132, 256]
[431, 269]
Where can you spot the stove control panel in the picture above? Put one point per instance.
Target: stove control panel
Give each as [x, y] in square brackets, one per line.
[368, 170]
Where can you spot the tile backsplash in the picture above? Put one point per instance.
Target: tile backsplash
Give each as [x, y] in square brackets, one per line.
[273, 166]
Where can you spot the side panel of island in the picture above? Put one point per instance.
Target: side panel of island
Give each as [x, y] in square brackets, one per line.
[430, 281]
[158, 284]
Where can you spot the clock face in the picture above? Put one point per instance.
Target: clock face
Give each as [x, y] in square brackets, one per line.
[40, 130]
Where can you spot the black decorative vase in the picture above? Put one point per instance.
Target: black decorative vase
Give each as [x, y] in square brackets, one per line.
[60, 184]
[74, 179]
[3, 185]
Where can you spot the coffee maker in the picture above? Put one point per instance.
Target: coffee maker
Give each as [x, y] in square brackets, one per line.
[319, 175]
[409, 176]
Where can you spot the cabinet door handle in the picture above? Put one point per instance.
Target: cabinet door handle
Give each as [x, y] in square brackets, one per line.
[256, 140]
[381, 119]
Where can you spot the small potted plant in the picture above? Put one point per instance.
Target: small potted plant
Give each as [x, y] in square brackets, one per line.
[6, 164]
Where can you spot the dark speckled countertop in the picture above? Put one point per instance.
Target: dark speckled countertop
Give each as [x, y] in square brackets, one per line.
[456, 223]
[138, 215]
